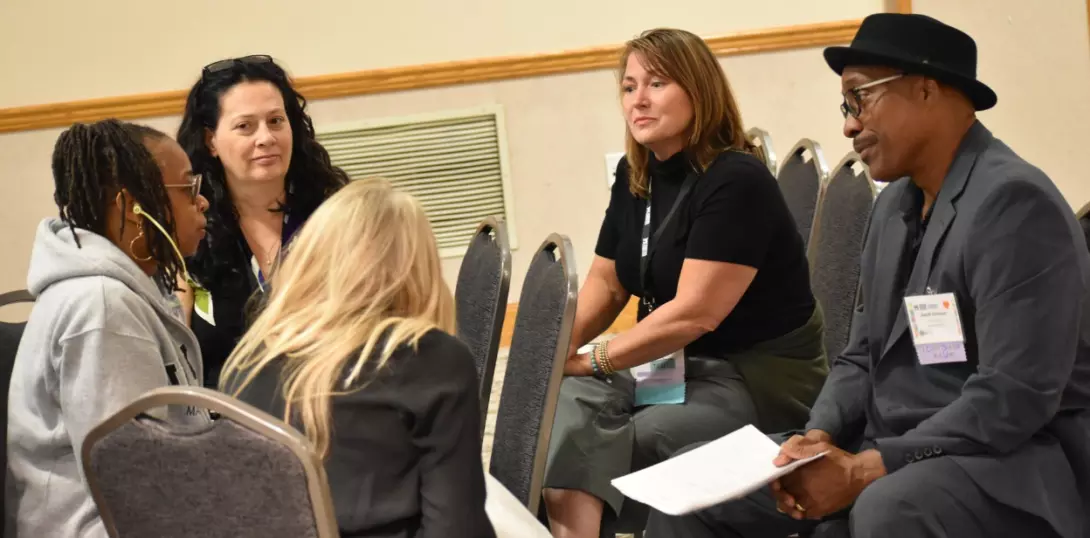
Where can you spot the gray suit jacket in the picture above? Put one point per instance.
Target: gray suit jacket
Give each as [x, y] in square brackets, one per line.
[1016, 416]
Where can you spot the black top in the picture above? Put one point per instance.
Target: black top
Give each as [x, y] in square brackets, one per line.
[405, 456]
[236, 292]
[1085, 223]
[917, 227]
[230, 304]
[734, 213]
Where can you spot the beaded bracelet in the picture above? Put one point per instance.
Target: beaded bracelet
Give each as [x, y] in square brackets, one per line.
[607, 365]
[596, 362]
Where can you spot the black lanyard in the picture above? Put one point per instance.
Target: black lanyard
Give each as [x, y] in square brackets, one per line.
[648, 243]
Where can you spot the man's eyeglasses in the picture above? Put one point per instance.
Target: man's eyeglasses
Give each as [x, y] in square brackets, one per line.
[853, 100]
[194, 187]
[254, 59]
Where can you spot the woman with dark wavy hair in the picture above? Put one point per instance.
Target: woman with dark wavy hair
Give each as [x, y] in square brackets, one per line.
[246, 130]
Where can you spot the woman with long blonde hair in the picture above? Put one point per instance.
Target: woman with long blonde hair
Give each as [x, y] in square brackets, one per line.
[729, 333]
[354, 347]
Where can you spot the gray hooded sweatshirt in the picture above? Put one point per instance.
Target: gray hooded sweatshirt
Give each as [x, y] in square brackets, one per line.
[101, 334]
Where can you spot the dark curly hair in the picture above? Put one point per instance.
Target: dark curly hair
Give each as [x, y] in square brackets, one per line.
[311, 177]
[92, 163]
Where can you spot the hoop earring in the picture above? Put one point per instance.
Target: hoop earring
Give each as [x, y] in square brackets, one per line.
[132, 245]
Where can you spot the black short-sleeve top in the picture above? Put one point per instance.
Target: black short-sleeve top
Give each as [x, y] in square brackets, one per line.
[734, 213]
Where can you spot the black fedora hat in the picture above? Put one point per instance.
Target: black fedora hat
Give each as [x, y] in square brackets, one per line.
[919, 45]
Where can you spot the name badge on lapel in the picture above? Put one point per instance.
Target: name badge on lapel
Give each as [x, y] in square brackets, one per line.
[936, 328]
[661, 381]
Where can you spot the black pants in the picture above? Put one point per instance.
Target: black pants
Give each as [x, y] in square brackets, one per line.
[929, 499]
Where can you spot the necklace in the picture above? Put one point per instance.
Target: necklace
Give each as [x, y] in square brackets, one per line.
[272, 253]
[253, 233]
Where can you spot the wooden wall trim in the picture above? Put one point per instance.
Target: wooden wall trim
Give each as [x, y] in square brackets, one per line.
[25, 118]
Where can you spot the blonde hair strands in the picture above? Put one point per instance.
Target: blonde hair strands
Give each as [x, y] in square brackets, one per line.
[361, 280]
[685, 59]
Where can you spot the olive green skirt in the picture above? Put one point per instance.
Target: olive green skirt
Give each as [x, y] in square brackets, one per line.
[599, 434]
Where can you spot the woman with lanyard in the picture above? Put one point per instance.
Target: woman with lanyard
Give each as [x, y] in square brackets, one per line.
[729, 333]
[247, 132]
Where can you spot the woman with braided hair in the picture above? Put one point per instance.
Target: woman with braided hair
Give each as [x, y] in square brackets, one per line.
[106, 326]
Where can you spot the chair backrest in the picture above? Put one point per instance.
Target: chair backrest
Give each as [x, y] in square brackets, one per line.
[802, 178]
[1084, 221]
[245, 474]
[535, 365]
[838, 245]
[10, 335]
[17, 296]
[484, 281]
[760, 138]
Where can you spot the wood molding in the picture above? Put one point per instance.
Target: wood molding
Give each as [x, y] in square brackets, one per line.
[373, 81]
[905, 6]
[625, 321]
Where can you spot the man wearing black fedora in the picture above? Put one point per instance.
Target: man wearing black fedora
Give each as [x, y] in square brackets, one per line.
[961, 405]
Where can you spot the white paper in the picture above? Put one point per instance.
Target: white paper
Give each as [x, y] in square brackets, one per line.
[726, 469]
[509, 517]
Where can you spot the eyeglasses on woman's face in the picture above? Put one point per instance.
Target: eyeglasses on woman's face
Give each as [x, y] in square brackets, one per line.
[194, 187]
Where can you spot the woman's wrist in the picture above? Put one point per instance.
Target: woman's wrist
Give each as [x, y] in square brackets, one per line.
[585, 364]
[595, 361]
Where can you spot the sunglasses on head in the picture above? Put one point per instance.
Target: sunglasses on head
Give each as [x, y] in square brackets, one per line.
[253, 59]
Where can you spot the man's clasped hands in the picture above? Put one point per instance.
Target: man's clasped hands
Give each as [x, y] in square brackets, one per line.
[826, 485]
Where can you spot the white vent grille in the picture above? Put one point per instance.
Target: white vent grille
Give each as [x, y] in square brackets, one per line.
[455, 164]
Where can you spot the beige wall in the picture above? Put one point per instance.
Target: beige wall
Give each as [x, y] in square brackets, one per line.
[1036, 56]
[560, 127]
[558, 131]
[60, 50]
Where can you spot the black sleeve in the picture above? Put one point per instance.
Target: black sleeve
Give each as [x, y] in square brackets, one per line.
[841, 406]
[736, 216]
[446, 429]
[610, 234]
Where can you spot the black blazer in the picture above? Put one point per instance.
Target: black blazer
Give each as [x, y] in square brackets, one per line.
[405, 456]
[1002, 239]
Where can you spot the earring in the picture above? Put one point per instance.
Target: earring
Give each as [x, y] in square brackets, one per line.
[132, 244]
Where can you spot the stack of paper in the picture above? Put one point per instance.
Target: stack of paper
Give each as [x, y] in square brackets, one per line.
[726, 469]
